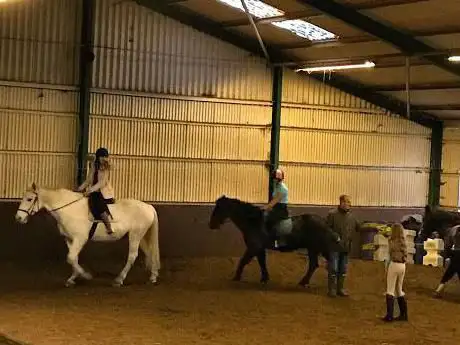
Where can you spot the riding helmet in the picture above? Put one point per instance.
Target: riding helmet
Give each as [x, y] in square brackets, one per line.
[102, 152]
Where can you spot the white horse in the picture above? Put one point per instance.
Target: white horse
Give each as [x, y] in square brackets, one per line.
[71, 210]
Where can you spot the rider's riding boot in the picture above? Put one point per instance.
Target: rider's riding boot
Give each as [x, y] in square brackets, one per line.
[390, 307]
[273, 237]
[402, 309]
[105, 219]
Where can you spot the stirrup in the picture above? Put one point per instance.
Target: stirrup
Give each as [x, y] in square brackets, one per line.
[98, 221]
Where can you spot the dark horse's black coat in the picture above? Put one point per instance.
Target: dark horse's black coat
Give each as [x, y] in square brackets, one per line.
[437, 219]
[309, 232]
[442, 221]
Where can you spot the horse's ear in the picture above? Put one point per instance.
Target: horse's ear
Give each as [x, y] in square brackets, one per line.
[34, 187]
[428, 209]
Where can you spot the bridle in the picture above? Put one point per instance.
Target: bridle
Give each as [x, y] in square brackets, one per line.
[31, 210]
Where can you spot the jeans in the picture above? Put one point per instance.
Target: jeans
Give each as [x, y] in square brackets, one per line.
[337, 264]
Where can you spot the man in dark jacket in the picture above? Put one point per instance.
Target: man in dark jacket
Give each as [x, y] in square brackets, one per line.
[344, 223]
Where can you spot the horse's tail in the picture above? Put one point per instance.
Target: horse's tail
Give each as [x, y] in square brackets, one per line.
[152, 243]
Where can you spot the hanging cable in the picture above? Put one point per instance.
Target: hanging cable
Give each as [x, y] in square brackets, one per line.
[259, 38]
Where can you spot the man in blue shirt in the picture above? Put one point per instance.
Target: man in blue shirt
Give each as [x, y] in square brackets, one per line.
[277, 207]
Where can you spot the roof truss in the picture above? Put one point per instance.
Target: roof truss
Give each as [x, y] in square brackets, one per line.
[403, 41]
[251, 45]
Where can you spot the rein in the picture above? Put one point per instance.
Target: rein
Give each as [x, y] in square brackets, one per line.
[29, 211]
[70, 203]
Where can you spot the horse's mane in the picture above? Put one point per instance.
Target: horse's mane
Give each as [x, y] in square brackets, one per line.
[247, 206]
[440, 219]
[445, 215]
[249, 210]
[65, 192]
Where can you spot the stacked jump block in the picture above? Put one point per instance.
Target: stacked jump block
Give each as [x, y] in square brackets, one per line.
[371, 234]
[410, 242]
[381, 242]
[433, 248]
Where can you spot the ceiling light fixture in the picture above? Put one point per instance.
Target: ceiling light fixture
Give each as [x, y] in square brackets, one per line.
[367, 64]
[454, 58]
[301, 28]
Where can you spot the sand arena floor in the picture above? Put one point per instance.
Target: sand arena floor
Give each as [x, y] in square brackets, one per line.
[196, 303]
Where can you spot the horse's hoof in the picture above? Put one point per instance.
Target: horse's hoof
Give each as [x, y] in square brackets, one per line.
[153, 281]
[437, 295]
[87, 276]
[117, 284]
[304, 286]
[70, 283]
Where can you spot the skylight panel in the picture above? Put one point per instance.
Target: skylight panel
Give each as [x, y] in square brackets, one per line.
[298, 27]
[306, 30]
[255, 7]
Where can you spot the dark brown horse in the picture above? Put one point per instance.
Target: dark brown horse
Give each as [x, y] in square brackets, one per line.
[308, 231]
[447, 224]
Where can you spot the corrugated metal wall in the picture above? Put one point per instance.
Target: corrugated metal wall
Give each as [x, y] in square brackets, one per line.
[333, 143]
[38, 97]
[450, 168]
[185, 116]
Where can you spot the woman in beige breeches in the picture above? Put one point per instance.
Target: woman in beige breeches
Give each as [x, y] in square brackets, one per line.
[395, 274]
[395, 279]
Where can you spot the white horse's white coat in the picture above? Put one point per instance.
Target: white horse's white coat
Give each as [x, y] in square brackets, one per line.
[70, 209]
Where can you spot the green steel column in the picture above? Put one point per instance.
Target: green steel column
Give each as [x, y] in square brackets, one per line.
[434, 192]
[276, 123]
[86, 59]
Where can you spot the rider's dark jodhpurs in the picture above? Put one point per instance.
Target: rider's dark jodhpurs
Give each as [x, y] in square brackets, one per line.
[98, 205]
[277, 213]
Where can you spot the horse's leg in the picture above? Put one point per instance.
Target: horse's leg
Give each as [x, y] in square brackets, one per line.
[448, 275]
[245, 259]
[262, 259]
[68, 241]
[147, 257]
[72, 258]
[312, 266]
[134, 243]
[144, 246]
[70, 281]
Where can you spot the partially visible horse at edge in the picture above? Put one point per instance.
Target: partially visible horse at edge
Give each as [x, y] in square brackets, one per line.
[135, 218]
[308, 231]
[441, 221]
[447, 224]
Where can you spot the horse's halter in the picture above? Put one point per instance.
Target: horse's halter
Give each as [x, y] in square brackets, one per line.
[31, 211]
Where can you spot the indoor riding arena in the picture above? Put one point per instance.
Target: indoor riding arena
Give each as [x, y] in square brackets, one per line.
[196, 99]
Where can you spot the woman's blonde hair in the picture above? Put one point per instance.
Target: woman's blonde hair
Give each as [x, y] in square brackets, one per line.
[398, 238]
